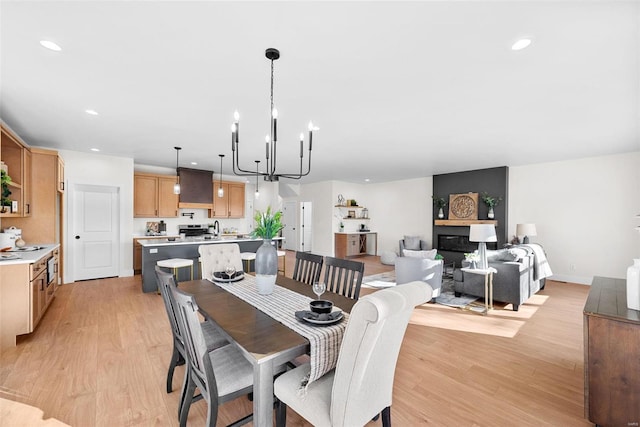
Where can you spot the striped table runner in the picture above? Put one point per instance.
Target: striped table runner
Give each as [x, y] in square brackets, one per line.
[281, 305]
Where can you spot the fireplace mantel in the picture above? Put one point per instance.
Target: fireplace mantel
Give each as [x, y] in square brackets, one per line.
[464, 222]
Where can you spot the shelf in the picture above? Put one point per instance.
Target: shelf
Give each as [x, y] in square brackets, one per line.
[349, 207]
[359, 219]
[464, 222]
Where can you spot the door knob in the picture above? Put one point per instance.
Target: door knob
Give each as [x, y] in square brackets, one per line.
[77, 237]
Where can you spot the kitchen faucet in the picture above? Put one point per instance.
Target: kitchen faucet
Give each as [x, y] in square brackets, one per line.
[216, 228]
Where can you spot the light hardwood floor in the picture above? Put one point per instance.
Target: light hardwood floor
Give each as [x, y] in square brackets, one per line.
[100, 356]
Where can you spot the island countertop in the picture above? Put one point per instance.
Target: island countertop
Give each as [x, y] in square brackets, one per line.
[198, 241]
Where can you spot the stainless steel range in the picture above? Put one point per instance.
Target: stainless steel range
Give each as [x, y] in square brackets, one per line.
[193, 230]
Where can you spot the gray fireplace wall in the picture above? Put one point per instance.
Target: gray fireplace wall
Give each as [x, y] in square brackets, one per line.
[494, 181]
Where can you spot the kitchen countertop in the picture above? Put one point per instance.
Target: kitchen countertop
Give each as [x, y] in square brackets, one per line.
[196, 241]
[28, 257]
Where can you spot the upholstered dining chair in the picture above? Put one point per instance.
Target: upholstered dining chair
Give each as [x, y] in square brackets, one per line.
[361, 385]
[307, 267]
[212, 336]
[217, 257]
[221, 375]
[343, 276]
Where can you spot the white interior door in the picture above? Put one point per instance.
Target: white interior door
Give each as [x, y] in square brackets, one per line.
[306, 230]
[95, 237]
[289, 222]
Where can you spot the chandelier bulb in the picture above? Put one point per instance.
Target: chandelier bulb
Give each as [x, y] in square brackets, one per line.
[301, 136]
[267, 139]
[236, 116]
[274, 113]
[310, 126]
[233, 127]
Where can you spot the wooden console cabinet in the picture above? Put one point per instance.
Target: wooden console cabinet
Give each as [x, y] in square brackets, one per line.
[611, 355]
[354, 244]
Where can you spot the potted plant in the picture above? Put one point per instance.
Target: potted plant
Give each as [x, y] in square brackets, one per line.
[491, 203]
[440, 202]
[267, 226]
[5, 179]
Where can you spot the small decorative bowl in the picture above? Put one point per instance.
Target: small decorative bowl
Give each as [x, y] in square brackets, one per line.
[321, 306]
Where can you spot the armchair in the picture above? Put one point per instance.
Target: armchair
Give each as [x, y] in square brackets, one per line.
[413, 243]
[410, 269]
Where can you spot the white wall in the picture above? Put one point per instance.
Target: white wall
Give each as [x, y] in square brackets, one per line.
[95, 169]
[584, 211]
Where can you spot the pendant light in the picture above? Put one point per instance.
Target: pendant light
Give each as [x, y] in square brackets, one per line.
[176, 186]
[257, 195]
[220, 189]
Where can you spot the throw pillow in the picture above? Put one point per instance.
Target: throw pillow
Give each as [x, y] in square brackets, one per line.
[501, 255]
[412, 243]
[421, 254]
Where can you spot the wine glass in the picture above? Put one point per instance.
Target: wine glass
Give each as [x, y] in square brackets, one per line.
[319, 288]
[230, 270]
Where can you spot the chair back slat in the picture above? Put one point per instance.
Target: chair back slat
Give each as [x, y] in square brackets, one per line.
[343, 276]
[307, 267]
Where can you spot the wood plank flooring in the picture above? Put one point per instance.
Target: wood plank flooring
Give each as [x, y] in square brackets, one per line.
[100, 357]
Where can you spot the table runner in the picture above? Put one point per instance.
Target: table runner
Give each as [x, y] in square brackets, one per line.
[281, 305]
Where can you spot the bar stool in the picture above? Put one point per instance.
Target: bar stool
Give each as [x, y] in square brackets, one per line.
[282, 254]
[175, 263]
[247, 257]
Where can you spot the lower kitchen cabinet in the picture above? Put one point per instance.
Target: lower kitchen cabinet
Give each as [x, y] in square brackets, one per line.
[27, 291]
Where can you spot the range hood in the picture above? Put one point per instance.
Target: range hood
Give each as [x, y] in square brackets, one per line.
[196, 188]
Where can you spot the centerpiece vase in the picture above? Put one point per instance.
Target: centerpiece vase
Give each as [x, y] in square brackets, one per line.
[491, 214]
[266, 267]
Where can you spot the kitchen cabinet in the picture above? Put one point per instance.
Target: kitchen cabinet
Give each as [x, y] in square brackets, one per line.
[231, 204]
[137, 252]
[354, 244]
[60, 175]
[153, 196]
[17, 156]
[26, 293]
[611, 355]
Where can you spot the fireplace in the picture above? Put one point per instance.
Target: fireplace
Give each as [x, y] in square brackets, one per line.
[451, 243]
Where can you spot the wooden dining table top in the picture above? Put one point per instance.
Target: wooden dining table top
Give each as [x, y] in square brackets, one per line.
[256, 332]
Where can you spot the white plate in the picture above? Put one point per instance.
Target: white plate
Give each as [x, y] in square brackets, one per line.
[237, 277]
[323, 322]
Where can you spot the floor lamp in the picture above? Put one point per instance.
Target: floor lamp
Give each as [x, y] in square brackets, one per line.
[482, 233]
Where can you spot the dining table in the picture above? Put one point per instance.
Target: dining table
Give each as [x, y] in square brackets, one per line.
[266, 343]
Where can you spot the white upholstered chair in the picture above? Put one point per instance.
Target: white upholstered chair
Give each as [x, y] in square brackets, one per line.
[218, 256]
[410, 269]
[361, 385]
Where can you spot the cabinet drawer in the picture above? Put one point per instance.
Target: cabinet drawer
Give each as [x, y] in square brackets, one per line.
[38, 268]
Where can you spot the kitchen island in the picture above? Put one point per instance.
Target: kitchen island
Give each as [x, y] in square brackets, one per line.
[154, 250]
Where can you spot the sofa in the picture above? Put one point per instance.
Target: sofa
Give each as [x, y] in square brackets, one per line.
[514, 281]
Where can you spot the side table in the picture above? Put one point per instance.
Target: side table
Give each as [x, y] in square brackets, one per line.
[488, 284]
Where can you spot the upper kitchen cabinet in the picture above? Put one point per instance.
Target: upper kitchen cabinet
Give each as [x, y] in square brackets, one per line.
[16, 157]
[153, 196]
[60, 175]
[231, 204]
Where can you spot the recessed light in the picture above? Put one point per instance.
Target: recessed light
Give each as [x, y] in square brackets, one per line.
[92, 112]
[521, 44]
[194, 163]
[50, 45]
[367, 180]
[95, 149]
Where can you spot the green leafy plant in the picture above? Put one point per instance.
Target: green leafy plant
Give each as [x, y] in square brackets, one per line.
[5, 179]
[440, 202]
[491, 201]
[268, 224]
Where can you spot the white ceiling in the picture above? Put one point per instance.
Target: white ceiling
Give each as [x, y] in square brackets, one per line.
[398, 89]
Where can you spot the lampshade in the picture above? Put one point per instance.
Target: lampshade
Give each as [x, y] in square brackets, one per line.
[482, 233]
[526, 230]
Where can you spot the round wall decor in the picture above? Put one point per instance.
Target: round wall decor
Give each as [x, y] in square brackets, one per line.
[463, 206]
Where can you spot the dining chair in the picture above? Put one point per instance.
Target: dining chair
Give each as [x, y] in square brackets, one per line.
[213, 337]
[307, 267]
[361, 385]
[343, 276]
[221, 375]
[217, 257]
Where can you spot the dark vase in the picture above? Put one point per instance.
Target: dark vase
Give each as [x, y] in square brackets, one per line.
[266, 267]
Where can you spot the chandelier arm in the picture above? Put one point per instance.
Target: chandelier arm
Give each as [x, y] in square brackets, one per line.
[300, 175]
[236, 163]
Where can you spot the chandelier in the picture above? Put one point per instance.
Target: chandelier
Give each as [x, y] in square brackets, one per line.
[271, 140]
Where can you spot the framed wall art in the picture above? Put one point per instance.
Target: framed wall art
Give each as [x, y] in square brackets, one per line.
[463, 206]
